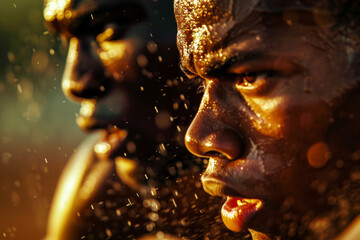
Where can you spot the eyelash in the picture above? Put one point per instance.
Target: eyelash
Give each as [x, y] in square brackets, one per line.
[201, 84]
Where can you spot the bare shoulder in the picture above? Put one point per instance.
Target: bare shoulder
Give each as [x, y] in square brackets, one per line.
[81, 178]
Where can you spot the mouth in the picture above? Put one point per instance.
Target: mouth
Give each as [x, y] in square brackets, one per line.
[236, 212]
[85, 119]
[114, 141]
[242, 183]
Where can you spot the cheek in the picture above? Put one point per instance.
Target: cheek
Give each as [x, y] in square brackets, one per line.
[120, 58]
[290, 117]
[277, 155]
[306, 119]
[270, 117]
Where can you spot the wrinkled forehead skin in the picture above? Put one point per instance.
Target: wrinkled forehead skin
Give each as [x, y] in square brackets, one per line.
[204, 25]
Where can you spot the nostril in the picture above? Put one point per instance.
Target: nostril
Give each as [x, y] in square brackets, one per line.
[215, 154]
[226, 143]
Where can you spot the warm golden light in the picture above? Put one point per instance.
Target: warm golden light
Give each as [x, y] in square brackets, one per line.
[56, 9]
[87, 108]
[126, 169]
[68, 189]
[102, 148]
[105, 35]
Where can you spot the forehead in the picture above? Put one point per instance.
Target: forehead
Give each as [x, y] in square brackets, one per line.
[61, 9]
[198, 12]
[64, 12]
[203, 23]
[195, 13]
[206, 26]
[54, 7]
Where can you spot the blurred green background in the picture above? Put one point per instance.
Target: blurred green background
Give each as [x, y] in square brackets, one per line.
[37, 123]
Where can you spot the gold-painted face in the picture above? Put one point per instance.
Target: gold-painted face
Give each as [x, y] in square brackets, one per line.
[196, 38]
[275, 75]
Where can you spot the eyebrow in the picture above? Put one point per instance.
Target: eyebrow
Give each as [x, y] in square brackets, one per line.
[217, 68]
[239, 57]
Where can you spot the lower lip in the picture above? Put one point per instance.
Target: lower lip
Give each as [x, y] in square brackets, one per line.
[85, 123]
[236, 212]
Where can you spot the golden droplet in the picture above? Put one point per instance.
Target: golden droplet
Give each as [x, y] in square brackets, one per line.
[318, 155]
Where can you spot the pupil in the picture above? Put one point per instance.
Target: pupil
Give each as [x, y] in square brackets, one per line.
[249, 78]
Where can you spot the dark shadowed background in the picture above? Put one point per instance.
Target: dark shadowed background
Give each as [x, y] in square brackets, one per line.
[37, 123]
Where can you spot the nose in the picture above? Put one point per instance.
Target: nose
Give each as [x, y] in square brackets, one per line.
[209, 136]
[84, 74]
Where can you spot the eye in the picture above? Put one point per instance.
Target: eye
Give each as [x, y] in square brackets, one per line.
[247, 79]
[253, 82]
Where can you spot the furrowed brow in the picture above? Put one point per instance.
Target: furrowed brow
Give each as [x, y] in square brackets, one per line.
[237, 57]
[215, 68]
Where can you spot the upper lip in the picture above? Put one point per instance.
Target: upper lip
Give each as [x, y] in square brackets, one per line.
[217, 187]
[224, 178]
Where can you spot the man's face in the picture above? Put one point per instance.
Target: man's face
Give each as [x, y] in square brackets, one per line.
[273, 77]
[122, 68]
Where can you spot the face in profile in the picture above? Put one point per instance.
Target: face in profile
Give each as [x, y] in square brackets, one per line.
[122, 68]
[278, 120]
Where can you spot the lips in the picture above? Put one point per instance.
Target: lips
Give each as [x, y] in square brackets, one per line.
[243, 183]
[85, 119]
[106, 112]
[236, 212]
[242, 178]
